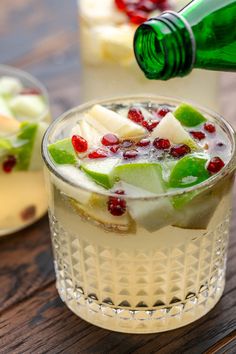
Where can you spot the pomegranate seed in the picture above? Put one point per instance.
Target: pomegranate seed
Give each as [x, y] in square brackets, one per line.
[143, 142]
[28, 213]
[198, 135]
[110, 139]
[209, 127]
[121, 5]
[114, 149]
[79, 143]
[135, 115]
[97, 154]
[179, 151]
[150, 125]
[120, 191]
[162, 112]
[9, 164]
[116, 206]
[130, 154]
[126, 144]
[215, 165]
[30, 91]
[137, 17]
[162, 144]
[163, 6]
[158, 1]
[138, 10]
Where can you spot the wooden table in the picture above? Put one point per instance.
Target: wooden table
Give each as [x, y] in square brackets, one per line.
[41, 37]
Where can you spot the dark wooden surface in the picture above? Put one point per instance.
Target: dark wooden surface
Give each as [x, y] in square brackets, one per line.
[41, 37]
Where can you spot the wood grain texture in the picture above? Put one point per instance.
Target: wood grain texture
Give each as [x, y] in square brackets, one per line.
[41, 37]
[25, 264]
[25, 326]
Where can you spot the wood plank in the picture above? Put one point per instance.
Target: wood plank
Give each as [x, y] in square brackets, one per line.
[225, 345]
[25, 264]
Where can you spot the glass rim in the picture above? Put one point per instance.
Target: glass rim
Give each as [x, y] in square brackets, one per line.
[226, 170]
[25, 75]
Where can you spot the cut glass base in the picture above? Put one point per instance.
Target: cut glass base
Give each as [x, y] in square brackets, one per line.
[140, 291]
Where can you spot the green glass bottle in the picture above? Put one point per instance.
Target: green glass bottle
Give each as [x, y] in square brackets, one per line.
[202, 35]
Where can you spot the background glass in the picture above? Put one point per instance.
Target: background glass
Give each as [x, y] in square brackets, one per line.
[22, 192]
[108, 63]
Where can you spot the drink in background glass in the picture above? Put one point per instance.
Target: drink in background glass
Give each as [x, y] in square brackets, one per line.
[108, 64]
[24, 117]
[144, 268]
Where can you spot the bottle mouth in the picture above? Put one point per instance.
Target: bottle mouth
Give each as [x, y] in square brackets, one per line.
[164, 47]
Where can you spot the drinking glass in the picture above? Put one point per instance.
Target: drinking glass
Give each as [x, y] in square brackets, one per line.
[22, 190]
[118, 275]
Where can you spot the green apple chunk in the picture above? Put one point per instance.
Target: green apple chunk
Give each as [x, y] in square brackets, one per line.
[95, 124]
[170, 128]
[151, 214]
[5, 147]
[102, 172]
[180, 200]
[85, 186]
[147, 176]
[85, 200]
[116, 123]
[197, 213]
[88, 132]
[27, 106]
[96, 212]
[25, 146]
[5, 144]
[189, 171]
[205, 206]
[189, 116]
[10, 86]
[26, 139]
[62, 152]
[145, 179]
[36, 162]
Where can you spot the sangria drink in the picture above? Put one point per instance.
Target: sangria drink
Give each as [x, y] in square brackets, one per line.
[24, 117]
[139, 203]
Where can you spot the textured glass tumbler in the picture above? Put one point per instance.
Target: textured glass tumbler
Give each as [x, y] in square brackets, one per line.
[122, 277]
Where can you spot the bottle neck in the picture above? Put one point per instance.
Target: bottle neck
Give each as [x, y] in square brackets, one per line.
[165, 46]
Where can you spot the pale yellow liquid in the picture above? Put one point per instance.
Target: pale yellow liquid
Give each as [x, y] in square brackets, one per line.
[138, 282]
[19, 191]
